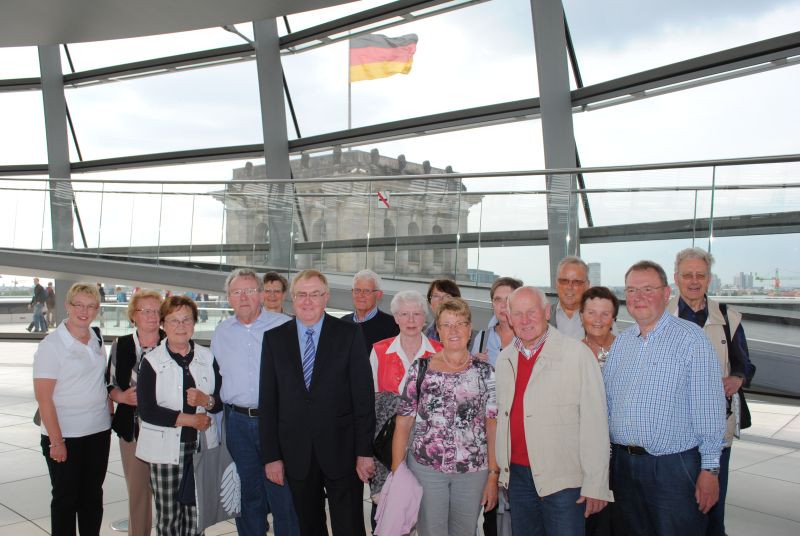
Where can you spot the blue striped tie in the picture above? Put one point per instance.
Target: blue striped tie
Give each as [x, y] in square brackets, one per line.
[308, 358]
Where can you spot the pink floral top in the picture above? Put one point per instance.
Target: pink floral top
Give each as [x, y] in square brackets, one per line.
[450, 429]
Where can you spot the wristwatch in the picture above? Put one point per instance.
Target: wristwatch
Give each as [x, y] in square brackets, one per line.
[714, 471]
[211, 403]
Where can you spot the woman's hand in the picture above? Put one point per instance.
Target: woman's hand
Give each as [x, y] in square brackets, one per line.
[483, 356]
[201, 421]
[489, 498]
[197, 398]
[128, 396]
[58, 452]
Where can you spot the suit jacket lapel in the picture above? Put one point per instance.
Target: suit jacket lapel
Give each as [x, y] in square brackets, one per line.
[294, 353]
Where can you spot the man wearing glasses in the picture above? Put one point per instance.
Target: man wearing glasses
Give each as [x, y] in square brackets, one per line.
[375, 324]
[316, 411]
[666, 409]
[723, 326]
[571, 282]
[236, 345]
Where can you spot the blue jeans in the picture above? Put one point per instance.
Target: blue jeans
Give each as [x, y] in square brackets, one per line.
[557, 514]
[656, 493]
[259, 495]
[39, 323]
[716, 516]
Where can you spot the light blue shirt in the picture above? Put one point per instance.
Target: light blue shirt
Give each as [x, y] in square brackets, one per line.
[665, 392]
[237, 349]
[369, 316]
[493, 348]
[301, 334]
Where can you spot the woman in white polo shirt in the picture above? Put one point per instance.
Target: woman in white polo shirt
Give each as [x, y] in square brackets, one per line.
[69, 384]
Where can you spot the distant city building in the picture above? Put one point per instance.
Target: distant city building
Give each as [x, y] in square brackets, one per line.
[715, 284]
[743, 281]
[595, 278]
[481, 277]
[379, 219]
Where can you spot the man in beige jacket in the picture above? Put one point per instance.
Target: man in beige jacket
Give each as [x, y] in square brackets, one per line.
[552, 428]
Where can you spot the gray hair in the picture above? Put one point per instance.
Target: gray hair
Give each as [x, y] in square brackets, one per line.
[536, 291]
[572, 259]
[694, 253]
[408, 297]
[648, 265]
[370, 276]
[243, 272]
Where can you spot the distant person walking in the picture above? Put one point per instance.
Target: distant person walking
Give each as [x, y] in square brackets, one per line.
[50, 301]
[37, 304]
[121, 298]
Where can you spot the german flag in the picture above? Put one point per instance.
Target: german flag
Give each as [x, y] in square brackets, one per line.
[377, 56]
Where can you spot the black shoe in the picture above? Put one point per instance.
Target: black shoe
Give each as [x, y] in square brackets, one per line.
[29, 329]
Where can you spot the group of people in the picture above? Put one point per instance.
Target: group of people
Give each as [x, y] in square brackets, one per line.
[43, 305]
[576, 427]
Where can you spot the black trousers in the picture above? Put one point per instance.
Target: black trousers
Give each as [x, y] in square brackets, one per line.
[78, 484]
[345, 500]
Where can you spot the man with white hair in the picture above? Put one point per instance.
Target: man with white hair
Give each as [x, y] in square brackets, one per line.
[375, 324]
[552, 432]
[723, 327]
[572, 280]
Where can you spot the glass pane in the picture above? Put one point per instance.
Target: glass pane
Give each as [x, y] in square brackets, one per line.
[642, 36]
[301, 21]
[22, 139]
[457, 65]
[86, 56]
[216, 106]
[19, 62]
[721, 120]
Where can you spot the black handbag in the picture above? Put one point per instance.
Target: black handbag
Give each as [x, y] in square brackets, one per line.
[382, 444]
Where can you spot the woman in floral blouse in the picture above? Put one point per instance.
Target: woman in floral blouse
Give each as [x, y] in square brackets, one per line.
[452, 451]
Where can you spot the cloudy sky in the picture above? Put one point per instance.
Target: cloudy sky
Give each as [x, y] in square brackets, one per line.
[470, 57]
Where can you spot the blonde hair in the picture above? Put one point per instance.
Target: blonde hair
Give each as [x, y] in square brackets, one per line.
[309, 274]
[83, 288]
[139, 296]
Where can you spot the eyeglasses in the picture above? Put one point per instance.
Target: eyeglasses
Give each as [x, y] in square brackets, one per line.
[313, 296]
[436, 297]
[564, 282]
[272, 291]
[84, 306]
[246, 291]
[644, 291]
[453, 325]
[688, 276]
[359, 291]
[147, 312]
[175, 322]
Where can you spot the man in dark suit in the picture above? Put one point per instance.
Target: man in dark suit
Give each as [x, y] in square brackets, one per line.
[316, 411]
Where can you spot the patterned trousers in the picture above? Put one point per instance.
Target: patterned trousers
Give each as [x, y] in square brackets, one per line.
[172, 517]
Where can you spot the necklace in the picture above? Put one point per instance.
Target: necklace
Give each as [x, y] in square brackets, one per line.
[601, 353]
[457, 366]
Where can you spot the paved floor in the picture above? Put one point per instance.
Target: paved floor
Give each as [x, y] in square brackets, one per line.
[763, 498]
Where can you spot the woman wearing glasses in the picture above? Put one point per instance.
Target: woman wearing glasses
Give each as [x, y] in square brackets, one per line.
[68, 381]
[439, 291]
[275, 286]
[144, 312]
[452, 451]
[178, 386]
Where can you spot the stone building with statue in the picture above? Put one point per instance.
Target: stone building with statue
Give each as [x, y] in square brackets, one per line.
[398, 226]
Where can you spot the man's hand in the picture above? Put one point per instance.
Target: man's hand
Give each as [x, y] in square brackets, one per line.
[128, 396]
[201, 421]
[706, 491]
[731, 384]
[274, 472]
[592, 505]
[365, 467]
[490, 490]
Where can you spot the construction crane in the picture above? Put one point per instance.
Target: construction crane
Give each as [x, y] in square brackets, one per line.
[776, 279]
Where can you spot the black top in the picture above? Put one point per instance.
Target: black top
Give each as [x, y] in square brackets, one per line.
[160, 416]
[39, 295]
[379, 327]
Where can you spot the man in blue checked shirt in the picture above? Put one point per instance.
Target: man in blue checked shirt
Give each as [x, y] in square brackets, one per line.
[236, 344]
[666, 413]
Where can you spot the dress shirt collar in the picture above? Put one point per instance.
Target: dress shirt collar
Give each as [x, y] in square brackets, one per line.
[397, 348]
[529, 352]
[657, 329]
[369, 316]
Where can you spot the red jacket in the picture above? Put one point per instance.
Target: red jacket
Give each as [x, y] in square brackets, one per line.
[388, 365]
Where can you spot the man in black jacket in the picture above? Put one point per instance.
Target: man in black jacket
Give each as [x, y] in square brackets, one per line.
[316, 411]
[375, 324]
[37, 304]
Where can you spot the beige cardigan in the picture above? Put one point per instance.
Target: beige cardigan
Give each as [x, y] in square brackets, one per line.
[566, 419]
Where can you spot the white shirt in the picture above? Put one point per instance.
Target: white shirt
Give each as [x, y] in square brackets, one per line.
[80, 395]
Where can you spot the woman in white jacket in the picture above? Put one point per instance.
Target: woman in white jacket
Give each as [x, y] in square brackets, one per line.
[179, 385]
